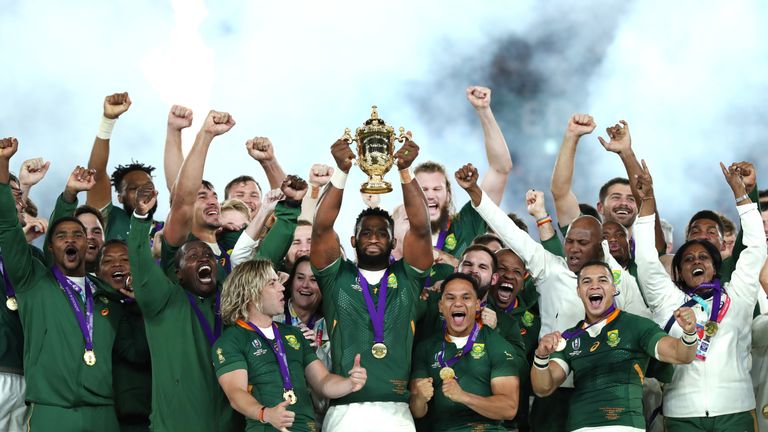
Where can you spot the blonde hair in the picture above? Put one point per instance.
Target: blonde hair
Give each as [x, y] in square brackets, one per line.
[243, 287]
[237, 205]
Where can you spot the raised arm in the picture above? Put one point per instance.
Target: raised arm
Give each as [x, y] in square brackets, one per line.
[261, 150]
[30, 174]
[101, 193]
[278, 240]
[325, 243]
[81, 180]
[249, 238]
[496, 150]
[621, 144]
[417, 243]
[179, 118]
[681, 350]
[566, 203]
[179, 222]
[534, 202]
[319, 176]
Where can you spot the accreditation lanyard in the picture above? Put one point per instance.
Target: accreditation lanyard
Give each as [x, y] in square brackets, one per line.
[210, 334]
[459, 354]
[293, 320]
[84, 317]
[9, 291]
[225, 259]
[568, 335]
[376, 314]
[279, 350]
[716, 314]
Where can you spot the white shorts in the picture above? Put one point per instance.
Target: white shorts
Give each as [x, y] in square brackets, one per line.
[13, 411]
[369, 417]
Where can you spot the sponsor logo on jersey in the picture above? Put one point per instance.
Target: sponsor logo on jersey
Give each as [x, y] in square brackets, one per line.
[594, 346]
[105, 312]
[613, 338]
[392, 281]
[292, 342]
[450, 242]
[478, 351]
[616, 277]
[219, 355]
[528, 319]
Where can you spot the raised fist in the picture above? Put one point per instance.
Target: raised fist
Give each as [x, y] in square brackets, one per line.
[260, 148]
[424, 388]
[294, 187]
[8, 147]
[534, 202]
[146, 197]
[686, 319]
[580, 124]
[479, 97]
[548, 344]
[733, 177]
[466, 176]
[32, 171]
[82, 179]
[747, 172]
[320, 175]
[116, 104]
[218, 123]
[342, 154]
[407, 153]
[621, 141]
[179, 117]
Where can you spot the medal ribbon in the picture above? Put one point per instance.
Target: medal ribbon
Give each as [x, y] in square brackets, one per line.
[9, 291]
[84, 318]
[512, 307]
[227, 260]
[568, 335]
[210, 334]
[279, 350]
[376, 314]
[704, 338]
[459, 354]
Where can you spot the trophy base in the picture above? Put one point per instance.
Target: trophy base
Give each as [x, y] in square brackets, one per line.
[376, 187]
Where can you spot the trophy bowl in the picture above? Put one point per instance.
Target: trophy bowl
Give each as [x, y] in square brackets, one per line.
[375, 149]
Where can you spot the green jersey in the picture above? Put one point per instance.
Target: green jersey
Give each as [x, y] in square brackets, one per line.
[242, 348]
[351, 331]
[55, 372]
[608, 371]
[186, 395]
[118, 223]
[491, 357]
[132, 369]
[463, 227]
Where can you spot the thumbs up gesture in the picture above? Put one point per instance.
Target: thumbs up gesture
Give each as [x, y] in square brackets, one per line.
[357, 375]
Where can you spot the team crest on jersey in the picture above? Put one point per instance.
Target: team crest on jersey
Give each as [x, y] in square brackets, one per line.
[219, 355]
[528, 319]
[450, 242]
[613, 338]
[292, 342]
[616, 277]
[392, 281]
[478, 351]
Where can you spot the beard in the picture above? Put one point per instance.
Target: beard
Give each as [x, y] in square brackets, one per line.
[374, 262]
[442, 222]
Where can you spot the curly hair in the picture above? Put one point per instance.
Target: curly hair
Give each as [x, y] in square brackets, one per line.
[122, 170]
[374, 212]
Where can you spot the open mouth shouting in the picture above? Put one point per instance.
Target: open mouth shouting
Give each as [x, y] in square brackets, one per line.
[205, 273]
[459, 318]
[595, 300]
[434, 209]
[71, 254]
[504, 293]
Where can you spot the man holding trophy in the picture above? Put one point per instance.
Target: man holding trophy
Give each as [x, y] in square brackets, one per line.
[370, 304]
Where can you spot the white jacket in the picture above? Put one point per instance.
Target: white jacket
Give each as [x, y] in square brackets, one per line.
[721, 384]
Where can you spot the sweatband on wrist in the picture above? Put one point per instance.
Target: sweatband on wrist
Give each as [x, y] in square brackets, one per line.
[689, 339]
[406, 176]
[339, 179]
[541, 362]
[138, 216]
[105, 128]
[742, 198]
[543, 221]
[261, 414]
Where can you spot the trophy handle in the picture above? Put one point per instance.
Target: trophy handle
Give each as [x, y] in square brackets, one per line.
[348, 135]
[403, 136]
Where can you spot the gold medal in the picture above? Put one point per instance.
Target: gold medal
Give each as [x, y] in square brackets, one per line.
[290, 396]
[12, 304]
[89, 357]
[710, 328]
[379, 350]
[765, 411]
[560, 345]
[447, 373]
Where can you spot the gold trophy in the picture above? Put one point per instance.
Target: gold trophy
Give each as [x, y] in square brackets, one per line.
[375, 149]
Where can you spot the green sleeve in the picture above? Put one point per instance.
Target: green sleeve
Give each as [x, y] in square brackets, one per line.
[151, 287]
[326, 279]
[421, 360]
[413, 275]
[509, 329]
[564, 229]
[465, 226]
[554, 246]
[279, 238]
[60, 210]
[227, 354]
[650, 334]
[131, 338]
[19, 263]
[439, 272]
[505, 360]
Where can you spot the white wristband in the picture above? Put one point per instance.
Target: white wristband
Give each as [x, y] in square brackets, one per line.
[338, 179]
[406, 176]
[105, 128]
[138, 216]
[742, 198]
[689, 339]
[540, 363]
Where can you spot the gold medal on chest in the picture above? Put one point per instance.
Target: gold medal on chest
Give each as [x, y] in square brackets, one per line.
[379, 350]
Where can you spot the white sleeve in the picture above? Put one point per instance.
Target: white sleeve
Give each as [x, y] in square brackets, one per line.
[533, 254]
[662, 294]
[243, 249]
[629, 298]
[760, 331]
[745, 280]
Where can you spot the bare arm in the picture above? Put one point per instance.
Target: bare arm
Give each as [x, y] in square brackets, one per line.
[422, 391]
[100, 195]
[566, 203]
[673, 350]
[179, 222]
[325, 244]
[261, 150]
[534, 201]
[319, 176]
[499, 159]
[501, 405]
[335, 386]
[546, 375]
[235, 386]
[179, 118]
[417, 243]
